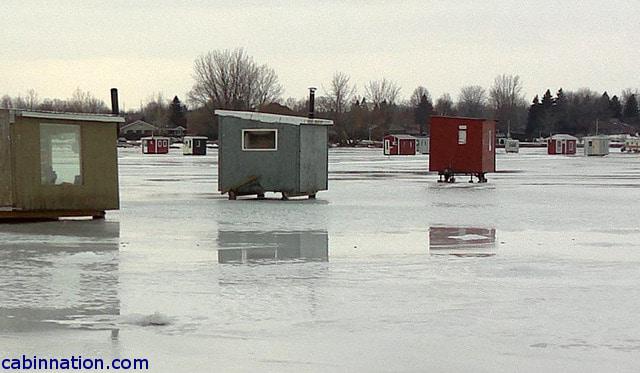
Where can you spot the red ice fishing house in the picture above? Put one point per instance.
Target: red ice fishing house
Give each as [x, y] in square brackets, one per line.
[399, 145]
[155, 145]
[462, 146]
[562, 144]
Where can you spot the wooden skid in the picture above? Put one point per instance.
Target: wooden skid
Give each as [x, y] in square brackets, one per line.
[48, 215]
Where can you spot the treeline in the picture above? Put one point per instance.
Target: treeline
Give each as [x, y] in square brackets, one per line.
[232, 80]
[79, 102]
[582, 112]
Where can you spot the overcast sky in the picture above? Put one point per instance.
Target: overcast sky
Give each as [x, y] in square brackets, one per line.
[144, 47]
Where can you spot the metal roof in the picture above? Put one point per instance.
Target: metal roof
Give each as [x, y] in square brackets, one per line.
[562, 136]
[106, 118]
[274, 118]
[403, 137]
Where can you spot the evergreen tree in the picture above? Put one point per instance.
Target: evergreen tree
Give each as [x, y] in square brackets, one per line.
[615, 107]
[630, 111]
[561, 113]
[604, 107]
[545, 114]
[177, 113]
[422, 113]
[533, 118]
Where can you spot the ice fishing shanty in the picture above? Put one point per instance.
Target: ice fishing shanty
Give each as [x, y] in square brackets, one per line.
[194, 145]
[596, 145]
[56, 165]
[562, 144]
[461, 145]
[259, 152]
[399, 145]
[155, 145]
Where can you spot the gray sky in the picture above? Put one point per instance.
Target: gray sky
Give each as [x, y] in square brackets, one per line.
[144, 47]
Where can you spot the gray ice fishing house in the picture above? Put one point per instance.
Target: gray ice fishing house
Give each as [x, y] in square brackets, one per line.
[261, 152]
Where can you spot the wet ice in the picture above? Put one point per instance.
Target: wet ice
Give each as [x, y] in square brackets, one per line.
[559, 290]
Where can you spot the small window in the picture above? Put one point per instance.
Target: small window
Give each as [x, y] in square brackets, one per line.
[60, 154]
[462, 135]
[260, 140]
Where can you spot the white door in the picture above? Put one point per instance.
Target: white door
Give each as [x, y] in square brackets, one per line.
[559, 146]
[387, 145]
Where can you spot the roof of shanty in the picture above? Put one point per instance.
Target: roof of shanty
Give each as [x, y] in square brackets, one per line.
[154, 138]
[274, 118]
[562, 136]
[196, 137]
[403, 137]
[106, 118]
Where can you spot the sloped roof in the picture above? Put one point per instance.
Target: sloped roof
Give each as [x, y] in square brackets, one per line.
[562, 136]
[403, 137]
[274, 118]
[139, 123]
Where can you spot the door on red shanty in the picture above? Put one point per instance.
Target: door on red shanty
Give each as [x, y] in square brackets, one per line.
[564, 147]
[387, 147]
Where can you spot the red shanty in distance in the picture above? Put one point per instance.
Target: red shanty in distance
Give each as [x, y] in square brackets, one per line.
[399, 145]
[562, 144]
[155, 145]
[462, 146]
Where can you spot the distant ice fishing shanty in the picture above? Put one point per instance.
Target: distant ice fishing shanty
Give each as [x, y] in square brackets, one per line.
[596, 145]
[399, 145]
[56, 165]
[194, 145]
[155, 145]
[562, 144]
[462, 146]
[259, 152]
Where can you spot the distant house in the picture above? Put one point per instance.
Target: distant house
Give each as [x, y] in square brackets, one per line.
[138, 129]
[176, 131]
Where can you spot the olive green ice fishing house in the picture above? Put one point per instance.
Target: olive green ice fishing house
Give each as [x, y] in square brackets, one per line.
[56, 165]
[261, 152]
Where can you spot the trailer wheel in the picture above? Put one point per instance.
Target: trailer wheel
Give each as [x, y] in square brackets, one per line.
[232, 195]
[312, 196]
[285, 197]
[260, 195]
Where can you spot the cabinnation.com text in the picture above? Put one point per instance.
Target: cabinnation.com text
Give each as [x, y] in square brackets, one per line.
[72, 363]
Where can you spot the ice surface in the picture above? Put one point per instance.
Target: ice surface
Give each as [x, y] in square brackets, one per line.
[547, 279]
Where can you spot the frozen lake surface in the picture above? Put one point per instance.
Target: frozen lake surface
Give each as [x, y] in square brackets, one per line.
[537, 270]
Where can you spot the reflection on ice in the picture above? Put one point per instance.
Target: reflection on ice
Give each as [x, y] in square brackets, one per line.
[462, 241]
[272, 247]
[52, 273]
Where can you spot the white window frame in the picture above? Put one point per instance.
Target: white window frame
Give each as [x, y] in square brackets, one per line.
[275, 131]
[462, 134]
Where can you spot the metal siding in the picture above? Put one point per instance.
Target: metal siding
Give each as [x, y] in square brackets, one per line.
[99, 167]
[313, 158]
[277, 171]
[6, 185]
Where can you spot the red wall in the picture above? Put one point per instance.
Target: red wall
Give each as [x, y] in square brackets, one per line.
[400, 146]
[477, 155]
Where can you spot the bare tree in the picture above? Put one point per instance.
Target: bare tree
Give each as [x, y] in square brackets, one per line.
[84, 102]
[444, 105]
[340, 92]
[31, 100]
[232, 80]
[378, 91]
[507, 101]
[6, 102]
[416, 96]
[472, 101]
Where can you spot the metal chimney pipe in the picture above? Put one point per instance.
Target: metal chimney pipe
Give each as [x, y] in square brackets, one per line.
[115, 109]
[312, 104]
